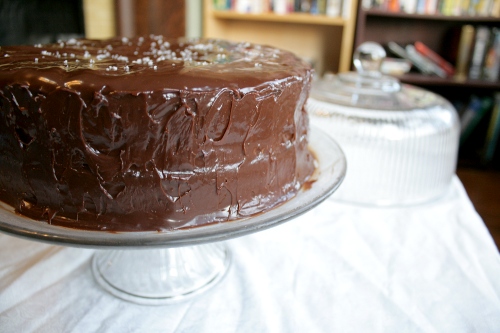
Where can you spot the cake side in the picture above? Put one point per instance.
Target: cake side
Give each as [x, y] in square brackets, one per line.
[151, 148]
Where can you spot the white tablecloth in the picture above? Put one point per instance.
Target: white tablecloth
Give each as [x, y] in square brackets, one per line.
[338, 268]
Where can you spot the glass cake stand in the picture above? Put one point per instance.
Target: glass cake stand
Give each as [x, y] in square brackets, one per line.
[164, 267]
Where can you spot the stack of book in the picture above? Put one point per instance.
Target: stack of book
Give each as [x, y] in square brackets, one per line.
[423, 58]
[333, 8]
[443, 7]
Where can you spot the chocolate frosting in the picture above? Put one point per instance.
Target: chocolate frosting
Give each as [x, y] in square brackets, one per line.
[149, 133]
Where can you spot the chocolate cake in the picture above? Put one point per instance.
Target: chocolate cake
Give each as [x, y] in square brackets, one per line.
[151, 134]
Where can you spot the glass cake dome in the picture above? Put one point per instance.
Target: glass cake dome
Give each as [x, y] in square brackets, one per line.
[400, 141]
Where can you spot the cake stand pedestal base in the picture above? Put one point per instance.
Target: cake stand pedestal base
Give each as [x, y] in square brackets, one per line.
[161, 276]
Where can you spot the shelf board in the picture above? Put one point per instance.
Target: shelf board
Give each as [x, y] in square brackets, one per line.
[435, 17]
[428, 80]
[302, 18]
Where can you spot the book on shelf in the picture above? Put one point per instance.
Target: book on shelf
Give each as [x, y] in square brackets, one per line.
[302, 6]
[401, 52]
[428, 53]
[443, 7]
[482, 7]
[332, 8]
[393, 5]
[478, 56]
[245, 6]
[314, 7]
[464, 50]
[484, 55]
[420, 7]
[222, 4]
[492, 134]
[449, 7]
[409, 6]
[345, 9]
[431, 7]
[421, 62]
[491, 69]
[320, 7]
[495, 10]
[481, 41]
[280, 6]
[475, 111]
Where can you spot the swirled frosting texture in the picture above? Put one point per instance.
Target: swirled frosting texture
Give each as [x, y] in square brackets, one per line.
[151, 134]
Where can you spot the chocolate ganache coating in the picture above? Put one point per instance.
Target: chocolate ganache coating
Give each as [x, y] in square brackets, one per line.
[151, 134]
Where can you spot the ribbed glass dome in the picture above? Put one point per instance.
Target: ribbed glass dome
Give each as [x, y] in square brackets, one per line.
[400, 141]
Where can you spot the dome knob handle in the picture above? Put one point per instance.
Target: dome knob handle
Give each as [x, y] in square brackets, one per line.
[368, 58]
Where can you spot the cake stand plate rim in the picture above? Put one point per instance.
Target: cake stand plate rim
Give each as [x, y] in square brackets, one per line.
[329, 175]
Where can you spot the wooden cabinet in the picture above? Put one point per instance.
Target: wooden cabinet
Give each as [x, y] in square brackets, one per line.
[324, 41]
[441, 33]
[438, 32]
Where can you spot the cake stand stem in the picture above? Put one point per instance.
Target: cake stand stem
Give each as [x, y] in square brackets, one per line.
[161, 276]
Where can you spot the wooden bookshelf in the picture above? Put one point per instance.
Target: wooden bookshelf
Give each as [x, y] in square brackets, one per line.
[325, 41]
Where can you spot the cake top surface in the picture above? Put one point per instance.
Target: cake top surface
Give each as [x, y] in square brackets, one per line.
[151, 62]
